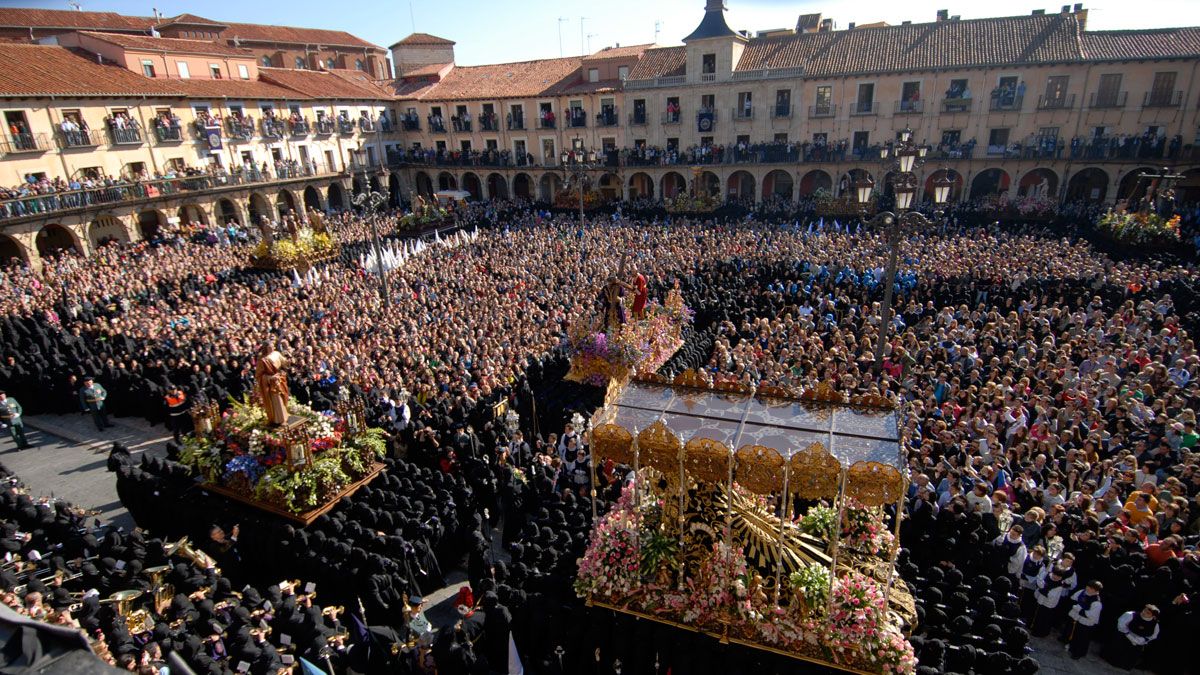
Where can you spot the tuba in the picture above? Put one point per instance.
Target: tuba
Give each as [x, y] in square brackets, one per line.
[199, 558]
[137, 621]
[163, 592]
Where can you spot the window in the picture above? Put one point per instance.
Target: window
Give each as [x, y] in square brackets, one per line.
[997, 141]
[707, 101]
[824, 97]
[147, 67]
[708, 64]
[465, 146]
[672, 143]
[781, 138]
[266, 62]
[491, 144]
[329, 64]
[183, 69]
[910, 97]
[743, 138]
[866, 99]
[548, 154]
[214, 69]
[951, 137]
[861, 140]
[243, 71]
[783, 102]
[1056, 91]
[1162, 92]
[1109, 92]
[299, 63]
[745, 106]
[623, 72]
[359, 65]
[593, 74]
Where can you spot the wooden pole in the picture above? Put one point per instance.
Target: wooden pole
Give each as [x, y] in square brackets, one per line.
[837, 535]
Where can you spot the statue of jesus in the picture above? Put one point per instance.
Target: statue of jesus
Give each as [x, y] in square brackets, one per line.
[271, 384]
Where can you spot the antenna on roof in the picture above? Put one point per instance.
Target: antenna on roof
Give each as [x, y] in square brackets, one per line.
[561, 20]
[581, 47]
[657, 29]
[589, 41]
[412, 18]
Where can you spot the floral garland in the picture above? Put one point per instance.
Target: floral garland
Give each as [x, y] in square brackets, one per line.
[610, 567]
[819, 521]
[1142, 228]
[863, 529]
[308, 245]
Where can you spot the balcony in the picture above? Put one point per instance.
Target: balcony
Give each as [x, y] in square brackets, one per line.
[273, 128]
[637, 119]
[1006, 100]
[822, 110]
[367, 125]
[346, 127]
[324, 126]
[864, 108]
[957, 104]
[24, 143]
[743, 113]
[780, 111]
[410, 123]
[1064, 102]
[516, 123]
[488, 122]
[1108, 99]
[671, 117]
[168, 133]
[79, 139]
[386, 125]
[436, 124]
[577, 119]
[461, 125]
[126, 136]
[300, 127]
[909, 107]
[708, 77]
[239, 130]
[608, 118]
[1162, 99]
[546, 123]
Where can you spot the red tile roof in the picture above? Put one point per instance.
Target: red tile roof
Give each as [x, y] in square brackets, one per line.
[427, 71]
[190, 20]
[54, 18]
[423, 39]
[289, 34]
[177, 45]
[237, 89]
[38, 71]
[580, 88]
[660, 62]
[524, 79]
[1140, 44]
[630, 52]
[319, 84]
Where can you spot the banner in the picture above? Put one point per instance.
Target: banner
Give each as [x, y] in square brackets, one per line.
[704, 121]
[213, 136]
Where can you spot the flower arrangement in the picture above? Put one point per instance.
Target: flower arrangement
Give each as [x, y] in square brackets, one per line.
[689, 203]
[812, 583]
[640, 345]
[610, 568]
[856, 612]
[568, 198]
[307, 247]
[1142, 228]
[894, 653]
[863, 529]
[819, 521]
[431, 215]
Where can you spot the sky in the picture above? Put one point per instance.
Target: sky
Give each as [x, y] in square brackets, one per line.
[496, 31]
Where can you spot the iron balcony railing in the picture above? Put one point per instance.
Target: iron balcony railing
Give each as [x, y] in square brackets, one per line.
[168, 133]
[23, 143]
[79, 139]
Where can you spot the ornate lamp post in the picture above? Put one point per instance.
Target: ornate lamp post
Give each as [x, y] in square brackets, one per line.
[370, 203]
[907, 157]
[577, 164]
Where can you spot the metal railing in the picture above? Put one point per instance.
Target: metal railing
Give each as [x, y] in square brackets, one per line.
[324, 127]
[461, 125]
[410, 124]
[1064, 102]
[366, 124]
[822, 110]
[1114, 99]
[544, 123]
[436, 125]
[346, 127]
[79, 139]
[273, 128]
[863, 108]
[957, 105]
[26, 142]
[168, 133]
[671, 117]
[781, 111]
[1162, 99]
[740, 113]
[516, 123]
[301, 128]
[489, 122]
[577, 119]
[637, 119]
[910, 107]
[608, 118]
[1006, 100]
[238, 130]
[126, 136]
[387, 126]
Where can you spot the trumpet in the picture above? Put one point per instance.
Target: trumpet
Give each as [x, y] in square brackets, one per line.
[333, 611]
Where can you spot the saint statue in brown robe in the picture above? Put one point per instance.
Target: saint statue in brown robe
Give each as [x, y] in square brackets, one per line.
[271, 384]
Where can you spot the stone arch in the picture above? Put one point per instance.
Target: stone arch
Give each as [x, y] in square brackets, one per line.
[1088, 184]
[522, 186]
[708, 183]
[192, 213]
[609, 186]
[1039, 182]
[497, 186]
[740, 185]
[956, 187]
[641, 185]
[10, 249]
[1188, 189]
[424, 183]
[55, 237]
[992, 181]
[1130, 188]
[673, 184]
[817, 179]
[105, 228]
[285, 202]
[228, 210]
[846, 182]
[777, 183]
[150, 223]
[549, 186]
[470, 183]
[259, 208]
[336, 197]
[312, 199]
[447, 181]
[393, 190]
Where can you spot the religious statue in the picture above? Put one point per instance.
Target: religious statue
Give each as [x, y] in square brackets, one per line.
[419, 206]
[1041, 190]
[265, 231]
[317, 221]
[293, 228]
[641, 295]
[271, 384]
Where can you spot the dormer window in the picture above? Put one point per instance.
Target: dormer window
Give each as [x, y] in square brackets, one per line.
[593, 74]
[708, 65]
[266, 61]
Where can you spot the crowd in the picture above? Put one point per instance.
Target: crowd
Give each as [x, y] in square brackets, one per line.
[1051, 393]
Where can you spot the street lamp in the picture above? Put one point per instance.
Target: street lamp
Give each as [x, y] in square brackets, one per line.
[907, 156]
[577, 164]
[370, 202]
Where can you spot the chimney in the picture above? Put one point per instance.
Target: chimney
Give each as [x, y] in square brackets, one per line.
[826, 25]
[943, 15]
[1038, 12]
[956, 17]
[905, 23]
[1079, 7]
[1066, 9]
[850, 26]
[1081, 15]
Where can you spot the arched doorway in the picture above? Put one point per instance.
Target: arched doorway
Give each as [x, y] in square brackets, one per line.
[990, 182]
[447, 181]
[54, 238]
[610, 187]
[285, 203]
[471, 184]
[778, 183]
[740, 185]
[424, 183]
[846, 182]
[549, 186]
[105, 229]
[259, 208]
[1038, 183]
[1090, 184]
[150, 224]
[336, 197]
[815, 180]
[673, 185]
[1131, 187]
[394, 190]
[497, 186]
[192, 213]
[312, 199]
[1187, 191]
[228, 211]
[641, 185]
[708, 184]
[11, 250]
[523, 186]
[956, 184]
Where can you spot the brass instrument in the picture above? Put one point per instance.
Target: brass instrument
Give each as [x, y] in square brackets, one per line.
[163, 592]
[333, 611]
[56, 577]
[136, 620]
[199, 558]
